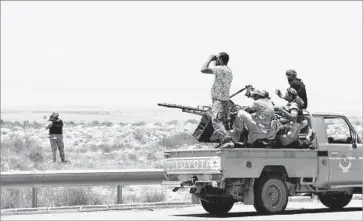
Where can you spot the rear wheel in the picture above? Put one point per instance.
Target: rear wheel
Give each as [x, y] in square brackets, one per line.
[335, 201]
[271, 195]
[218, 207]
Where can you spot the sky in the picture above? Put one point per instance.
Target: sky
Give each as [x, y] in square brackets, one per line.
[118, 53]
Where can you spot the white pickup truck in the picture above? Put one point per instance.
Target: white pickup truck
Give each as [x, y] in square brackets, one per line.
[266, 177]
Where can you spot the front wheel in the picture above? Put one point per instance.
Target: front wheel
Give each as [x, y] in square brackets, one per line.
[335, 201]
[218, 207]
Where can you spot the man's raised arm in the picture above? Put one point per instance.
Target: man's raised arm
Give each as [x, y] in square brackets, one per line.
[205, 68]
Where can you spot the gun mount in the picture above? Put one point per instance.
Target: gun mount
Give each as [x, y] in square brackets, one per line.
[204, 130]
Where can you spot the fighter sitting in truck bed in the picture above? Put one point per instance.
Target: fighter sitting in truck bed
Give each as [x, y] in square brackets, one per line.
[259, 126]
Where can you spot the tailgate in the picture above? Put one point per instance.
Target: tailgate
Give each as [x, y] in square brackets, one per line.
[193, 162]
[193, 165]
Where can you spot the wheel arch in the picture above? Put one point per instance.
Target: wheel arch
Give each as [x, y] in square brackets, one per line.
[278, 170]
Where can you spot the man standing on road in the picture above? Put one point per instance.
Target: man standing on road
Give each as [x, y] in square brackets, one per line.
[55, 126]
[220, 96]
[297, 84]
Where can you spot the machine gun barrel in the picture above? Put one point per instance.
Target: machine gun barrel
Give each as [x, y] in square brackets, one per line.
[187, 109]
[200, 113]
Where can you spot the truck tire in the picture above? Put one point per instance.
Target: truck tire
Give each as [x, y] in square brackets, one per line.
[271, 195]
[335, 201]
[218, 207]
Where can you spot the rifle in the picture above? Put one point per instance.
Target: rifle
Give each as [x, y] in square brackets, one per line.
[192, 110]
[247, 87]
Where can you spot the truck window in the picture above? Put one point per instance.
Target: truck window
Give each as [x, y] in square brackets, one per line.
[337, 131]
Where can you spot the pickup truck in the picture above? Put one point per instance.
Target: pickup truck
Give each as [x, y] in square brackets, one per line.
[266, 177]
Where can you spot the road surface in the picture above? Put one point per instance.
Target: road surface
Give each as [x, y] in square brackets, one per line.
[295, 211]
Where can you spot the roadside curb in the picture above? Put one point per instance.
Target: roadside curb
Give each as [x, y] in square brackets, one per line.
[92, 208]
[132, 206]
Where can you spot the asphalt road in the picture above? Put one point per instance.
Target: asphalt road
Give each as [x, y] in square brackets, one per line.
[295, 211]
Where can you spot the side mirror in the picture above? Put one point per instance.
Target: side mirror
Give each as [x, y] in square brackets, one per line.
[354, 140]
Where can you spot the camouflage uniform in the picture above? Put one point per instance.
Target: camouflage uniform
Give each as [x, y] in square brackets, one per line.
[259, 124]
[220, 96]
[291, 131]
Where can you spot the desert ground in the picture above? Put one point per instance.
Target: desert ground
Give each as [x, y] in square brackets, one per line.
[121, 141]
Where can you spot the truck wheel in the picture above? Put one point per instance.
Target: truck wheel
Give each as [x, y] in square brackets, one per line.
[335, 201]
[271, 195]
[218, 207]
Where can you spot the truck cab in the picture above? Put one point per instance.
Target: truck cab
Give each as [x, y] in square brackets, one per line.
[266, 177]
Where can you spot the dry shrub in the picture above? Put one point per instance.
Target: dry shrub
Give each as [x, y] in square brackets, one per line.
[94, 123]
[36, 154]
[132, 157]
[70, 123]
[106, 123]
[153, 195]
[15, 198]
[172, 122]
[178, 140]
[130, 198]
[107, 148]
[21, 151]
[191, 121]
[158, 124]
[140, 123]
[68, 196]
[140, 136]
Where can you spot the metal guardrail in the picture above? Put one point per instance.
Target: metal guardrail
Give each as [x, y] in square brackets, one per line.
[83, 178]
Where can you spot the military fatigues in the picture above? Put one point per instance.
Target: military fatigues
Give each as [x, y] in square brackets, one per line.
[290, 135]
[259, 124]
[299, 86]
[56, 140]
[220, 96]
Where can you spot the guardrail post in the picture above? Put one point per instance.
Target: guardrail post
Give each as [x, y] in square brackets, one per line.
[119, 194]
[34, 197]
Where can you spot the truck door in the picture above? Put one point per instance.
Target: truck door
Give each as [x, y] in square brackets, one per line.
[344, 151]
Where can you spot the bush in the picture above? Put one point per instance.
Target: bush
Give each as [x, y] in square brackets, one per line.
[106, 123]
[158, 124]
[15, 198]
[150, 196]
[178, 140]
[106, 148]
[140, 135]
[36, 155]
[77, 196]
[94, 123]
[68, 196]
[71, 123]
[36, 125]
[129, 198]
[18, 144]
[191, 121]
[132, 157]
[172, 122]
[141, 123]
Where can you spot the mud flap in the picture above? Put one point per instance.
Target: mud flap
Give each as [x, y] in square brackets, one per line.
[249, 196]
[195, 199]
